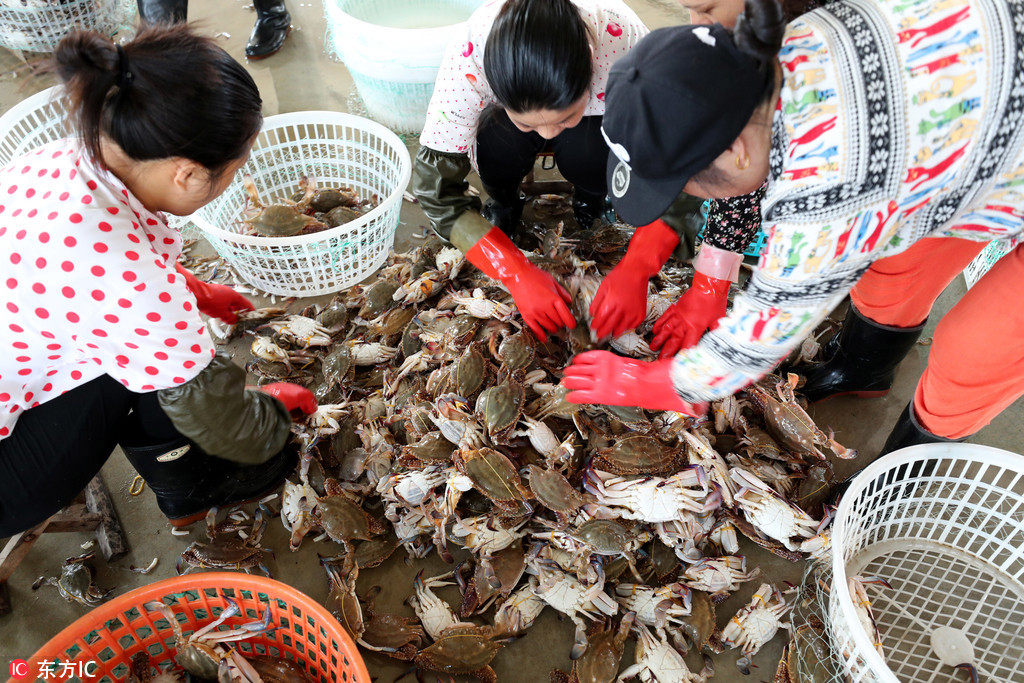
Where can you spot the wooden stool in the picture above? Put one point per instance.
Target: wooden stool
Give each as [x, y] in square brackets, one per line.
[533, 188]
[92, 510]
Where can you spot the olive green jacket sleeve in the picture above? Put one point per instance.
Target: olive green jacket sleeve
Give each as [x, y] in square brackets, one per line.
[685, 217]
[439, 183]
[215, 411]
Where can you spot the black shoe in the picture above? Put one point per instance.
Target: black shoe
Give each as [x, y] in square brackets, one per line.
[162, 11]
[861, 359]
[587, 208]
[273, 24]
[188, 482]
[907, 432]
[506, 216]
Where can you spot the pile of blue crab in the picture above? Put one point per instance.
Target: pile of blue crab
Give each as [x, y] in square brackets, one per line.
[442, 428]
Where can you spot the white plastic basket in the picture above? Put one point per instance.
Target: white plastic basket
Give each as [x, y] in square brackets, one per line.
[335, 149]
[33, 122]
[986, 259]
[393, 49]
[950, 541]
[38, 25]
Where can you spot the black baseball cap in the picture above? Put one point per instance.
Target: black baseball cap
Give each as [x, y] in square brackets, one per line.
[673, 104]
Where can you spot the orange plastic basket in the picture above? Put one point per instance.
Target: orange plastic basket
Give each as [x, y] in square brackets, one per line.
[110, 634]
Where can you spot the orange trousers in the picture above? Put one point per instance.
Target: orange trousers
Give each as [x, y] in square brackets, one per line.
[976, 365]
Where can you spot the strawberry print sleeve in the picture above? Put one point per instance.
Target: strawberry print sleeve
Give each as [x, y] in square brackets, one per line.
[460, 94]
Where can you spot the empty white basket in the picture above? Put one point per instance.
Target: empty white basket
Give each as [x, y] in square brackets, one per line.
[951, 543]
[39, 26]
[34, 121]
[335, 149]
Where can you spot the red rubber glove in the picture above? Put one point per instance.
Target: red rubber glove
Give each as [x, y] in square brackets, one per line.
[216, 301]
[293, 396]
[604, 378]
[702, 305]
[697, 311]
[621, 300]
[543, 303]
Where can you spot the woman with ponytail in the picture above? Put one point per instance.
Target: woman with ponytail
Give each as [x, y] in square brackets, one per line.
[108, 346]
[528, 76]
[890, 139]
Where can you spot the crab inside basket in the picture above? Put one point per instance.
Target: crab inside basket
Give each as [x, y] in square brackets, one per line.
[334, 150]
[101, 645]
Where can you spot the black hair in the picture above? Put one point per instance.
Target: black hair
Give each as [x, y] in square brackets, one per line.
[538, 55]
[758, 34]
[167, 93]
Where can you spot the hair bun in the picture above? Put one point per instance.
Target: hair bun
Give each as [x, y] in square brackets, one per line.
[760, 29]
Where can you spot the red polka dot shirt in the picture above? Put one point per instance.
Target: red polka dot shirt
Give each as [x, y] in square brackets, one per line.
[461, 93]
[88, 285]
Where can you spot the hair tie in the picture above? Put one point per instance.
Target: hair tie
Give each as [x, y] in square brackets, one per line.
[126, 75]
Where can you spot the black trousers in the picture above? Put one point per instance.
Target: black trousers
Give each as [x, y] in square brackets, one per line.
[506, 154]
[58, 446]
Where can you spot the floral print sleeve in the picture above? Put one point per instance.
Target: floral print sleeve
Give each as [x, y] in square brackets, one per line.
[733, 223]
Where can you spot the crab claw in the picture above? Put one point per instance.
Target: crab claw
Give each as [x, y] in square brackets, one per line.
[971, 671]
[743, 664]
[579, 645]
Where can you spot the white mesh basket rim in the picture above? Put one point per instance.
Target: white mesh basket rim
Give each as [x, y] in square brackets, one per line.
[279, 121]
[969, 453]
[45, 102]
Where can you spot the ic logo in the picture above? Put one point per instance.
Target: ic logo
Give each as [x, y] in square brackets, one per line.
[620, 180]
[19, 668]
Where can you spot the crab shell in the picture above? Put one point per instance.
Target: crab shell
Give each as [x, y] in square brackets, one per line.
[517, 351]
[501, 406]
[462, 649]
[469, 372]
[431, 449]
[636, 454]
[605, 536]
[281, 220]
[338, 366]
[325, 199]
[554, 491]
[493, 475]
[379, 298]
[344, 520]
[604, 652]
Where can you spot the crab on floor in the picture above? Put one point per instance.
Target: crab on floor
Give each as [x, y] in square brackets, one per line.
[756, 623]
[657, 660]
[75, 582]
[224, 548]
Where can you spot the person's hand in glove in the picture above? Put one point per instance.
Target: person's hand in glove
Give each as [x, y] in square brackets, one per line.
[543, 303]
[702, 305]
[294, 397]
[603, 378]
[216, 301]
[621, 301]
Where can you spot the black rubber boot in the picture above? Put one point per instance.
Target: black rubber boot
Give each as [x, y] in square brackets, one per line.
[188, 482]
[587, 208]
[272, 26]
[163, 11]
[861, 359]
[504, 208]
[907, 432]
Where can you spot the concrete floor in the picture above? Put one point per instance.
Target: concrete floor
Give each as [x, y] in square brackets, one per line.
[303, 77]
